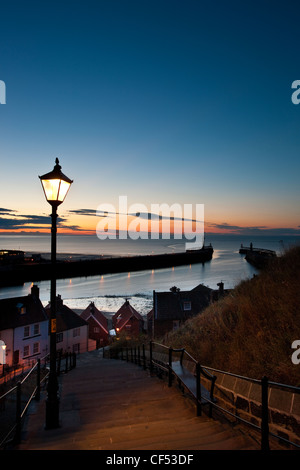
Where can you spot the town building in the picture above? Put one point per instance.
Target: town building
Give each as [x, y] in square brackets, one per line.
[11, 256]
[98, 325]
[23, 328]
[172, 308]
[72, 331]
[128, 320]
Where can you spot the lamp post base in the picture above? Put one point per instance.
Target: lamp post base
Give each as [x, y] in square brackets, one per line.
[52, 414]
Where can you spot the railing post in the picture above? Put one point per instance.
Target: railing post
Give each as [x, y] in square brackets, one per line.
[198, 389]
[38, 381]
[170, 367]
[18, 414]
[181, 356]
[151, 363]
[264, 414]
[211, 395]
[144, 358]
[127, 354]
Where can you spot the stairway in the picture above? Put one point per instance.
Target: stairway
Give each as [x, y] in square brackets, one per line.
[109, 404]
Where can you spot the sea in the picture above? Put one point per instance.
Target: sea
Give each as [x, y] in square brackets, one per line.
[110, 291]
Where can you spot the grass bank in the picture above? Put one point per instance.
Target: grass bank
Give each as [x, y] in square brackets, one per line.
[250, 332]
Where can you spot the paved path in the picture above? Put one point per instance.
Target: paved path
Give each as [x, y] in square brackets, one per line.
[114, 405]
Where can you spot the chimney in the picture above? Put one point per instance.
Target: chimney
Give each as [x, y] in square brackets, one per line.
[59, 301]
[35, 292]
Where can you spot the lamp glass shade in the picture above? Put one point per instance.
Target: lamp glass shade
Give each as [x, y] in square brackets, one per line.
[55, 190]
[56, 185]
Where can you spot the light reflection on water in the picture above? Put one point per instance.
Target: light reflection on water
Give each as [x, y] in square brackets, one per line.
[109, 291]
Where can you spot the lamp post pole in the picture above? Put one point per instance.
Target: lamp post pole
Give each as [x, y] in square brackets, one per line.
[52, 402]
[56, 186]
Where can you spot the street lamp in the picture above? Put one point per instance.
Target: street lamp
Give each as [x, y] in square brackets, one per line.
[3, 358]
[56, 186]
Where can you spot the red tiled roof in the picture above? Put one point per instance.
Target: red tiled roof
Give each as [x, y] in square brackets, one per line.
[92, 311]
[124, 314]
[150, 314]
[126, 307]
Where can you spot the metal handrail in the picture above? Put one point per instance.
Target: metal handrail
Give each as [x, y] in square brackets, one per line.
[158, 344]
[70, 364]
[290, 387]
[19, 413]
[264, 383]
[25, 378]
[198, 371]
[249, 379]
[29, 373]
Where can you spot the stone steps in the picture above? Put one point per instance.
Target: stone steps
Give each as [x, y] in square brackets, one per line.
[114, 405]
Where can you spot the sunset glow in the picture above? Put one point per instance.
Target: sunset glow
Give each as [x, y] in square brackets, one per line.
[166, 103]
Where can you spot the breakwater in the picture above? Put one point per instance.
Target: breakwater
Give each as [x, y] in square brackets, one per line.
[258, 257]
[18, 274]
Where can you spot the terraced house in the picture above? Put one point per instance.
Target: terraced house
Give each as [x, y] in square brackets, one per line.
[172, 308]
[71, 329]
[98, 325]
[23, 328]
[128, 320]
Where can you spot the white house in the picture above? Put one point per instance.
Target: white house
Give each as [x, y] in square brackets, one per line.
[23, 328]
[71, 330]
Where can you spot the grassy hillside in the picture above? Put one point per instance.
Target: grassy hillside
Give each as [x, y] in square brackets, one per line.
[250, 332]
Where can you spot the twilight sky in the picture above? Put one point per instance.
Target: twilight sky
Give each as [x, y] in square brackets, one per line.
[164, 101]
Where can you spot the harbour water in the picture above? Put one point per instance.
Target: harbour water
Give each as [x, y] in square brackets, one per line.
[109, 291]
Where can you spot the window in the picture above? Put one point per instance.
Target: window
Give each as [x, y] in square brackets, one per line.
[175, 324]
[96, 329]
[26, 331]
[76, 348]
[76, 332]
[36, 329]
[187, 305]
[36, 348]
[21, 308]
[59, 337]
[26, 351]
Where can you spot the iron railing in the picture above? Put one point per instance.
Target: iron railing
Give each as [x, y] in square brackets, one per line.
[163, 362]
[264, 383]
[11, 432]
